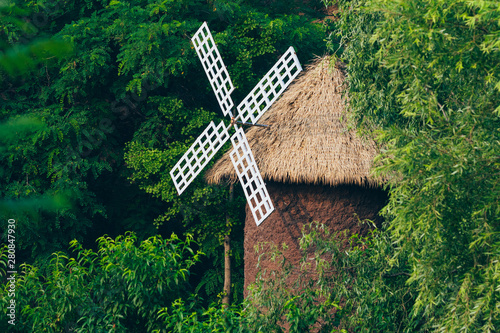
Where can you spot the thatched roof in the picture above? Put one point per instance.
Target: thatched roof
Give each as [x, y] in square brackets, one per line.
[309, 140]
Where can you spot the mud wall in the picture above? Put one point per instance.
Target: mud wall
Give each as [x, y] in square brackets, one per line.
[295, 205]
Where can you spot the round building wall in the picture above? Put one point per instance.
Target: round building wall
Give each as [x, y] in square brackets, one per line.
[339, 208]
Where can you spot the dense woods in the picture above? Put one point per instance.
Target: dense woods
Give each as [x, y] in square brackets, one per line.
[425, 76]
[99, 99]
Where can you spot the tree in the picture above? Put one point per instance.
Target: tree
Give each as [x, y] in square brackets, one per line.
[425, 75]
[17, 60]
[119, 287]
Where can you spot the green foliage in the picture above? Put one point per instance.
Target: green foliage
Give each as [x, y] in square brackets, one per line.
[354, 272]
[281, 298]
[121, 286]
[361, 274]
[47, 162]
[426, 76]
[18, 127]
[254, 35]
[17, 59]
[190, 317]
[342, 284]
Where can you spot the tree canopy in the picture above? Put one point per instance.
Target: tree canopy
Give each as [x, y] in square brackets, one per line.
[125, 103]
[424, 77]
[98, 101]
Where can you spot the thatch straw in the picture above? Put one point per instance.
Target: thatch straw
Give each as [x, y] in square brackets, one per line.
[309, 140]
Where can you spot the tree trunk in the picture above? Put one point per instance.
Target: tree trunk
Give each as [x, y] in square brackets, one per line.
[226, 299]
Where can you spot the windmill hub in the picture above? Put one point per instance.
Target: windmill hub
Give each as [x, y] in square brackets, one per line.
[234, 122]
[260, 99]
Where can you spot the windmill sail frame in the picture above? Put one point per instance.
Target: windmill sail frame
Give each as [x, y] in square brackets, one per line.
[253, 106]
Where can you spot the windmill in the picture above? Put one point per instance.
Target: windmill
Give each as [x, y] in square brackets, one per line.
[248, 112]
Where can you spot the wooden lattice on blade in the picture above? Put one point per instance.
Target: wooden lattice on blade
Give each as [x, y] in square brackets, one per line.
[198, 155]
[214, 67]
[270, 87]
[250, 109]
[248, 173]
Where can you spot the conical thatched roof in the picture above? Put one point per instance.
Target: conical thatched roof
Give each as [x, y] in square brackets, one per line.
[309, 140]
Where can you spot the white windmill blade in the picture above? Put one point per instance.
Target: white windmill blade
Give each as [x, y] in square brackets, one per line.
[214, 67]
[248, 173]
[198, 155]
[270, 87]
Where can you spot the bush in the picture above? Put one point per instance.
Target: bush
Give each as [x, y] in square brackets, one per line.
[120, 287]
